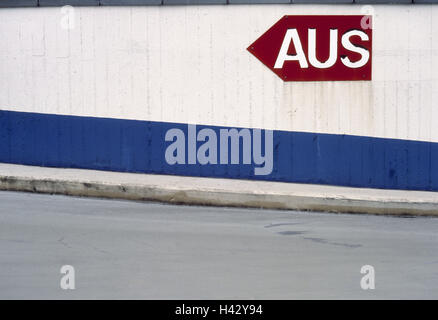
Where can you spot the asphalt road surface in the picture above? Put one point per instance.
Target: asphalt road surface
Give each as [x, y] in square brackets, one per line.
[132, 250]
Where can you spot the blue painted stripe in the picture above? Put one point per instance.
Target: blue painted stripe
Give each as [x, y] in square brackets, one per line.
[139, 146]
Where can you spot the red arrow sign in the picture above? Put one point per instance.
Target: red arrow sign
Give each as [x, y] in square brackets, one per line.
[317, 48]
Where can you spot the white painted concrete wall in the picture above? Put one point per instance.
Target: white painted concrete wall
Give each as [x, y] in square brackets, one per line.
[190, 64]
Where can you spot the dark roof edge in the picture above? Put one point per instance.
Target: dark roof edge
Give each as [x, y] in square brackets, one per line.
[51, 3]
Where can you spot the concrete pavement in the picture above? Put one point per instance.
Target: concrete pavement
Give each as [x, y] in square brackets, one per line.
[127, 249]
[216, 192]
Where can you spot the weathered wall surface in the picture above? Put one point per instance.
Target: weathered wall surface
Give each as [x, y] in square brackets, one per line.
[189, 64]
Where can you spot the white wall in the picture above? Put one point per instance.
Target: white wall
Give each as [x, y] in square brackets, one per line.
[190, 64]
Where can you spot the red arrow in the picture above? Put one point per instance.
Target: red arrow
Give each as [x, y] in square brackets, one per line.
[317, 48]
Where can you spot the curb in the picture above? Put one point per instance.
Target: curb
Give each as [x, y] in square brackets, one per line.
[216, 192]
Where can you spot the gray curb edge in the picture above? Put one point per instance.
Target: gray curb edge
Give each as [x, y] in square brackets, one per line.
[207, 197]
